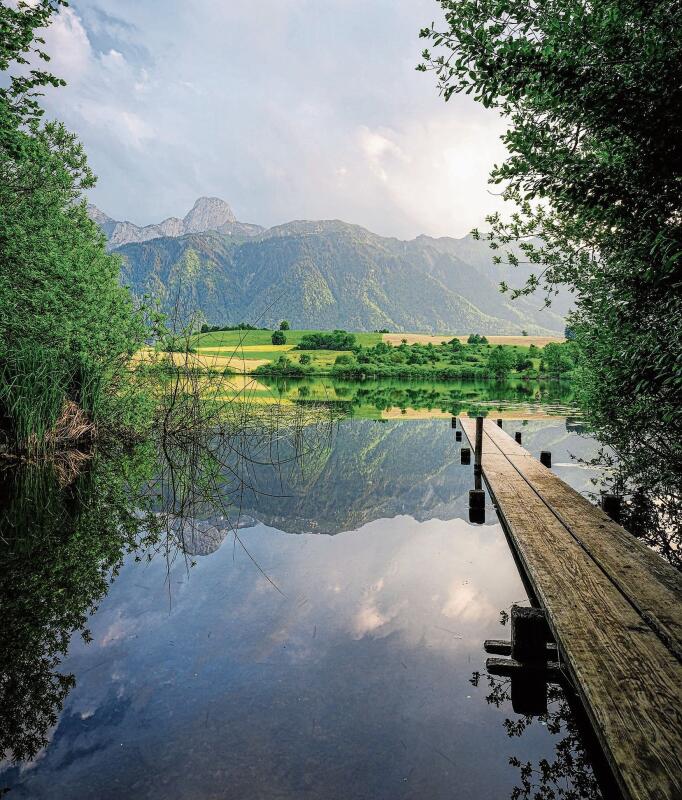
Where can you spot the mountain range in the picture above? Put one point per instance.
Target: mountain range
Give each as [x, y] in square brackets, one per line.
[322, 274]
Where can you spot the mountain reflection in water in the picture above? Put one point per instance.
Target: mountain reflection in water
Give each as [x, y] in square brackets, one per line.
[325, 666]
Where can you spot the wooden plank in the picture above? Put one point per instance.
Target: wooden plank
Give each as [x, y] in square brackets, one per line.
[502, 647]
[630, 683]
[549, 671]
[503, 440]
[652, 585]
[468, 425]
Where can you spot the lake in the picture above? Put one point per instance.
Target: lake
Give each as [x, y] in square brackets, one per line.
[330, 647]
[386, 399]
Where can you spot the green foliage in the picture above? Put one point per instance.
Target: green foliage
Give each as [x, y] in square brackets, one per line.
[242, 326]
[33, 384]
[476, 338]
[591, 96]
[18, 44]
[304, 359]
[284, 325]
[278, 338]
[501, 361]
[59, 289]
[336, 340]
[282, 366]
[558, 358]
[345, 358]
[175, 344]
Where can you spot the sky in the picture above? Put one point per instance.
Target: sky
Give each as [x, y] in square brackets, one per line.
[286, 109]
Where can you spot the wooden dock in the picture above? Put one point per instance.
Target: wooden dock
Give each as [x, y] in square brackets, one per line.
[613, 606]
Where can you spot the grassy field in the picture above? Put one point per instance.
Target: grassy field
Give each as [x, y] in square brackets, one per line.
[245, 351]
[224, 339]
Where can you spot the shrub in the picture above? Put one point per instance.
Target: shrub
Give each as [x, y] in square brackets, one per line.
[501, 361]
[282, 366]
[242, 326]
[336, 340]
[557, 358]
[279, 338]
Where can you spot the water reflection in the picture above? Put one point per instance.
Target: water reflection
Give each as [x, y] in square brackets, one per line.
[386, 399]
[569, 774]
[61, 540]
[351, 679]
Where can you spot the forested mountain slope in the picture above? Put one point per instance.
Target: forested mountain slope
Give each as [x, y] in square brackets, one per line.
[329, 274]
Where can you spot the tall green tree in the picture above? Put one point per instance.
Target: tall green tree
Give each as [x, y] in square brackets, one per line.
[501, 361]
[591, 93]
[67, 327]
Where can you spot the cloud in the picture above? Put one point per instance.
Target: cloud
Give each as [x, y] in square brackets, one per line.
[288, 109]
[466, 603]
[67, 43]
[434, 171]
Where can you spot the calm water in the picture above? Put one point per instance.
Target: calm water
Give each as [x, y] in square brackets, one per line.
[390, 398]
[331, 651]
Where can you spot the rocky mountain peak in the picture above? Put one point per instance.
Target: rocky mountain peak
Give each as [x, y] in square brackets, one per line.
[208, 214]
[97, 215]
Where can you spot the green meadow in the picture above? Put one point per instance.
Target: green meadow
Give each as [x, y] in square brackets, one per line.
[250, 338]
[374, 355]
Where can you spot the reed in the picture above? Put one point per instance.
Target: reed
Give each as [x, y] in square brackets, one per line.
[33, 387]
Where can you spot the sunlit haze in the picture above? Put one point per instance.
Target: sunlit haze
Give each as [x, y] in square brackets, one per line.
[287, 109]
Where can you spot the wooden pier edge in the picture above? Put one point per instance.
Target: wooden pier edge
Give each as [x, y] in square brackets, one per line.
[613, 606]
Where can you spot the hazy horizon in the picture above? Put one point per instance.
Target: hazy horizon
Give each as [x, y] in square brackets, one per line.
[284, 110]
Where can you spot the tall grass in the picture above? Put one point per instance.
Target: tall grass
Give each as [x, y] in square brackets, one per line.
[89, 382]
[33, 386]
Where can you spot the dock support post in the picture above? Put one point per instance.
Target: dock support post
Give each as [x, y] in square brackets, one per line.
[530, 634]
[546, 459]
[477, 501]
[517, 437]
[458, 436]
[454, 422]
[611, 505]
[476, 498]
[499, 423]
[529, 694]
[465, 457]
[479, 445]
[532, 663]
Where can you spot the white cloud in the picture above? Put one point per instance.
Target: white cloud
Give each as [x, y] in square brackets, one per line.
[466, 603]
[318, 114]
[68, 45]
